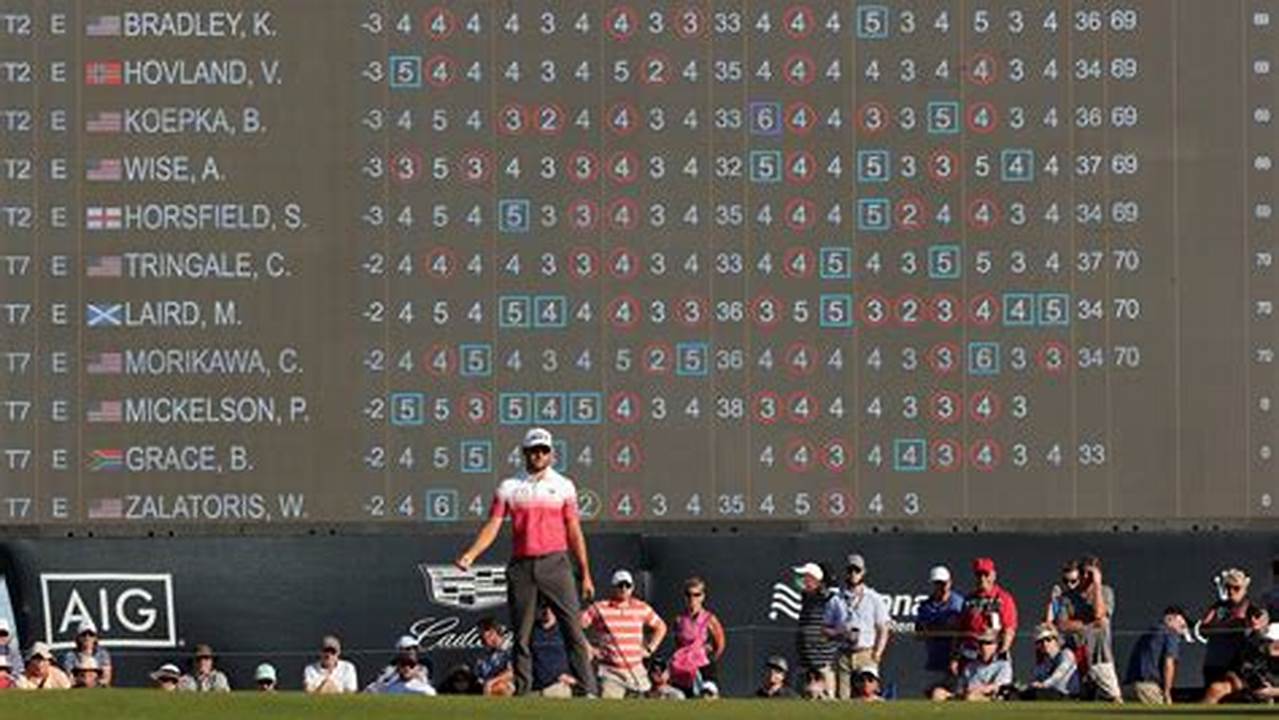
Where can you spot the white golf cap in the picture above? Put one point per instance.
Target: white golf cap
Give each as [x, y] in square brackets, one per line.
[1272, 632]
[86, 626]
[537, 437]
[5, 626]
[939, 573]
[167, 670]
[265, 671]
[810, 568]
[623, 576]
[406, 642]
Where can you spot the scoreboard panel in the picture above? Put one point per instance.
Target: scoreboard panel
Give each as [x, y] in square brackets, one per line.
[326, 261]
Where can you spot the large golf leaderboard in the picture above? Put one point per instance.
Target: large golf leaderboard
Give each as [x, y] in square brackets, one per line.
[326, 261]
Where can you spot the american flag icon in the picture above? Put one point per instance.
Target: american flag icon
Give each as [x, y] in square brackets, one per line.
[103, 26]
[103, 218]
[106, 411]
[104, 72]
[104, 170]
[105, 363]
[109, 508]
[104, 122]
[104, 266]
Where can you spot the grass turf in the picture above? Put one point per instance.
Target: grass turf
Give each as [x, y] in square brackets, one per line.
[154, 705]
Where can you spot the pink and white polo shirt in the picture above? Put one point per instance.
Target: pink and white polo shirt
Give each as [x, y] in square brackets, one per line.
[539, 509]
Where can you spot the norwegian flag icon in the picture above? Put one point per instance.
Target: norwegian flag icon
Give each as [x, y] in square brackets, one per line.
[104, 72]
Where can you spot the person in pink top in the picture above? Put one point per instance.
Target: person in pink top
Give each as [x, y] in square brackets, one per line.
[699, 641]
[542, 505]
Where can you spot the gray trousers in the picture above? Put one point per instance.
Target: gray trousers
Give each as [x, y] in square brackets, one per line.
[549, 577]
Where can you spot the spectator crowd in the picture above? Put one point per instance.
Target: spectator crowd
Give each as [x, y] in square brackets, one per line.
[843, 634]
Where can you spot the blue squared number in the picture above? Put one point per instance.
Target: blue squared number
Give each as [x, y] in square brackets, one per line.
[874, 215]
[1017, 166]
[550, 311]
[549, 408]
[1019, 309]
[910, 455]
[514, 311]
[408, 409]
[406, 72]
[476, 456]
[514, 408]
[836, 310]
[584, 408]
[836, 263]
[1054, 309]
[944, 262]
[872, 22]
[983, 359]
[477, 359]
[874, 166]
[766, 166]
[561, 456]
[513, 215]
[441, 505]
[943, 118]
[692, 359]
[765, 118]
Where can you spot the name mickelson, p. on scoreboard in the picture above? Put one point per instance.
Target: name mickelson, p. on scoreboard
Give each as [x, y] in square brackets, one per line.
[804, 261]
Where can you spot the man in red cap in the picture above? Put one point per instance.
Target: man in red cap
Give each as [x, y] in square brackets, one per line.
[988, 607]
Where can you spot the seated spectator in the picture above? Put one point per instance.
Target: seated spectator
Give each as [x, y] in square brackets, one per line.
[494, 670]
[166, 677]
[330, 674]
[816, 686]
[551, 675]
[1056, 675]
[659, 678]
[617, 628]
[1224, 625]
[405, 647]
[1152, 666]
[7, 680]
[264, 676]
[41, 673]
[1249, 671]
[776, 684]
[409, 679]
[86, 673]
[699, 640]
[710, 691]
[866, 686]
[204, 677]
[1259, 671]
[459, 680]
[984, 677]
[86, 643]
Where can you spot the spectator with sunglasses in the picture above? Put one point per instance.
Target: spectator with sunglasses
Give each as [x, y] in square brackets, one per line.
[545, 526]
[1069, 583]
[330, 674]
[618, 626]
[1224, 625]
[984, 677]
[857, 620]
[699, 641]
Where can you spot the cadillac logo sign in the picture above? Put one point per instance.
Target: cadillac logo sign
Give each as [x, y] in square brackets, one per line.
[480, 588]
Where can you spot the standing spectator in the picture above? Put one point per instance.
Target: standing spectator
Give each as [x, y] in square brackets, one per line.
[7, 680]
[542, 505]
[1056, 675]
[330, 674]
[6, 642]
[989, 607]
[86, 643]
[409, 678]
[41, 673]
[1069, 582]
[866, 687]
[1248, 672]
[699, 641]
[815, 650]
[493, 670]
[204, 677]
[618, 625]
[551, 676]
[776, 686]
[86, 673]
[1084, 622]
[1271, 599]
[659, 679]
[264, 677]
[937, 623]
[1224, 624]
[166, 677]
[983, 677]
[1152, 667]
[857, 619]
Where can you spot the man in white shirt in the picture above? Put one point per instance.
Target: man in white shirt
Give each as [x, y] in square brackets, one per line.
[856, 619]
[330, 674]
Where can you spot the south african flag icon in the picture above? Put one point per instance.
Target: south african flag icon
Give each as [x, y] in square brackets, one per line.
[107, 460]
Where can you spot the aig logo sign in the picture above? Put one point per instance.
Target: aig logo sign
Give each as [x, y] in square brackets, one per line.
[129, 610]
